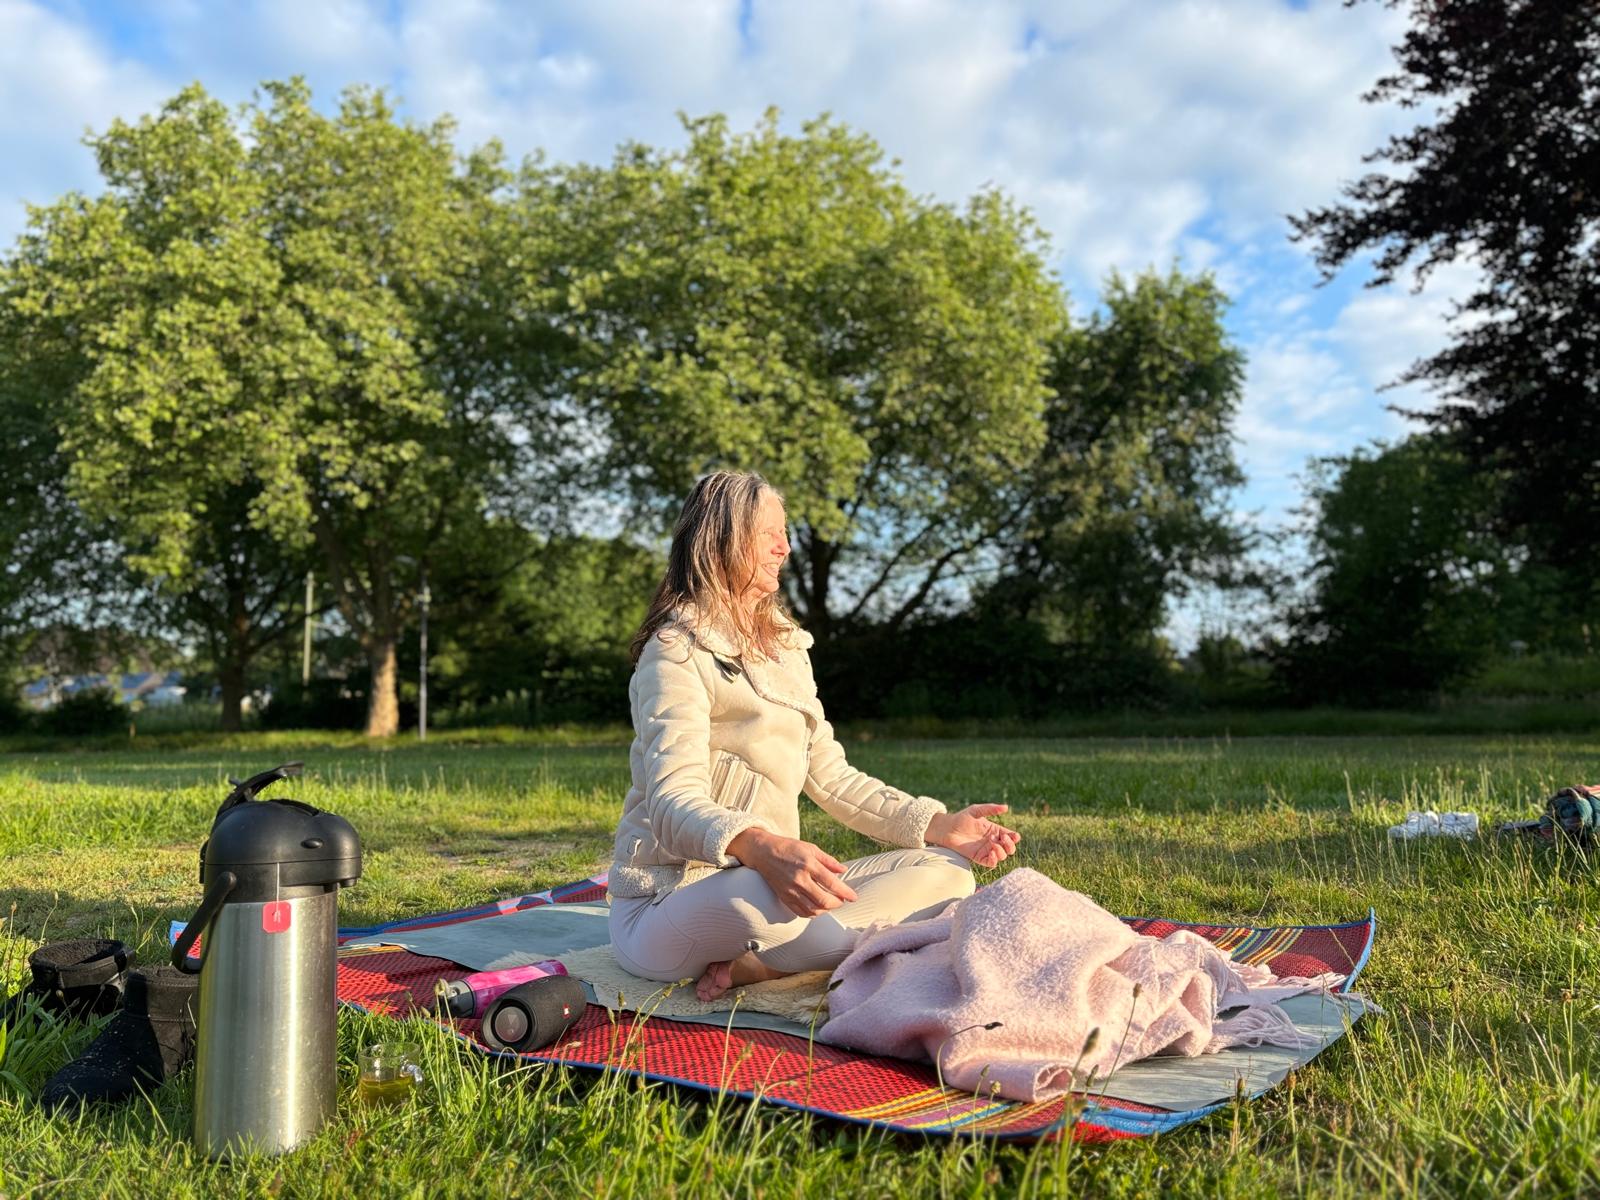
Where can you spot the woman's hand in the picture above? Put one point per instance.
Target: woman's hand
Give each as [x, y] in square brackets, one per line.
[804, 877]
[972, 835]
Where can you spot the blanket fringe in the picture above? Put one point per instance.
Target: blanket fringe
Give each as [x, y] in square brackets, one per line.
[1263, 1025]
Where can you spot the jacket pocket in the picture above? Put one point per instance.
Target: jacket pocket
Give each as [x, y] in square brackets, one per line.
[733, 784]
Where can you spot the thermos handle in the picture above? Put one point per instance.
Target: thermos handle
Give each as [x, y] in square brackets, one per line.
[245, 789]
[215, 895]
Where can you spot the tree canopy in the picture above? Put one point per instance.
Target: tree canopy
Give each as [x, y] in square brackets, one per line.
[784, 303]
[1127, 506]
[1405, 580]
[281, 339]
[303, 305]
[1503, 177]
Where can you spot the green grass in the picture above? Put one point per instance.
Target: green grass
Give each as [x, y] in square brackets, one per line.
[1475, 1081]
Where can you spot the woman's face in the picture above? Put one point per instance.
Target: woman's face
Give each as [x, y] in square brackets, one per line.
[771, 546]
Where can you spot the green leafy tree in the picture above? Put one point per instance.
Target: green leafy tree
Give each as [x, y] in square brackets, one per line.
[1128, 503]
[1406, 582]
[548, 616]
[244, 596]
[315, 307]
[66, 596]
[1503, 177]
[66, 571]
[783, 303]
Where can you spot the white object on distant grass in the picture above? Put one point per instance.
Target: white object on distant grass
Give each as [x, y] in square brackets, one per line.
[1432, 824]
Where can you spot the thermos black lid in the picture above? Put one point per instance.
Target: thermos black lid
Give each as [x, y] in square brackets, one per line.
[272, 845]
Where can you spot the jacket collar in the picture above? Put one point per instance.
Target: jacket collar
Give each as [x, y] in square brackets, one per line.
[787, 683]
[720, 638]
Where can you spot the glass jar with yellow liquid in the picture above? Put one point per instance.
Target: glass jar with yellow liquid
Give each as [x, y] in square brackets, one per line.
[389, 1073]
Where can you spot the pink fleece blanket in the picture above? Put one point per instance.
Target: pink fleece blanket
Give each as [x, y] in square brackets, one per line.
[1026, 989]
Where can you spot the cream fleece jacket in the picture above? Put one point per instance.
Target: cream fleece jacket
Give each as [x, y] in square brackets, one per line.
[724, 741]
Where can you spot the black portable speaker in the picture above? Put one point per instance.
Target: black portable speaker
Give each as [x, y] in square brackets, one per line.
[532, 1015]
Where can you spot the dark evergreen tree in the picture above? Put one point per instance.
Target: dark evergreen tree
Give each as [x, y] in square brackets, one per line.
[1506, 176]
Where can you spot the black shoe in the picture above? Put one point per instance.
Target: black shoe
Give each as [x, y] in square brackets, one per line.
[81, 978]
[144, 1045]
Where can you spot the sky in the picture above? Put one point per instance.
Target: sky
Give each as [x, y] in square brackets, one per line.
[1141, 134]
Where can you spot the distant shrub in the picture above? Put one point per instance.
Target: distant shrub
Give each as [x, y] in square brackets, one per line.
[192, 716]
[1222, 672]
[14, 715]
[1537, 675]
[583, 685]
[510, 710]
[321, 704]
[84, 714]
[909, 698]
[949, 667]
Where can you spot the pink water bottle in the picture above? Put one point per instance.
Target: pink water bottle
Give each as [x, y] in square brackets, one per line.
[472, 996]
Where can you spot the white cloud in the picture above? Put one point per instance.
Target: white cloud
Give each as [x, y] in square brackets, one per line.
[231, 50]
[685, 50]
[569, 71]
[1301, 399]
[1384, 331]
[1299, 378]
[57, 80]
[1245, 110]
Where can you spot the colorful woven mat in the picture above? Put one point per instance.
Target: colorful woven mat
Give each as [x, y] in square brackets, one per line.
[789, 1071]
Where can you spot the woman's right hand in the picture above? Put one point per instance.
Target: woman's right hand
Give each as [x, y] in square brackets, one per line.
[804, 877]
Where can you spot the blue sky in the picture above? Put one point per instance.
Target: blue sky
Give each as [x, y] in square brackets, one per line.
[1140, 132]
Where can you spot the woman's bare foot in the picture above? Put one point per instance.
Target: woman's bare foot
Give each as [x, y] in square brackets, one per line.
[721, 976]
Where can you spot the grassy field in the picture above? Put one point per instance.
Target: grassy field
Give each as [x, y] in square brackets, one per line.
[1475, 1081]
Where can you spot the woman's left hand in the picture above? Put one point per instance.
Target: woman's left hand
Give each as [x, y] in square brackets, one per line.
[971, 834]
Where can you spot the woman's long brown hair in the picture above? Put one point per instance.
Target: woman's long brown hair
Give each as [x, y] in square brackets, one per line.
[711, 564]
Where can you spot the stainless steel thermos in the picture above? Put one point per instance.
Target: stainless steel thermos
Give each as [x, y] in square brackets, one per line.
[266, 1072]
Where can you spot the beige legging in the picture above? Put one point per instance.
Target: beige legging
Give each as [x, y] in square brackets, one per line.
[724, 915]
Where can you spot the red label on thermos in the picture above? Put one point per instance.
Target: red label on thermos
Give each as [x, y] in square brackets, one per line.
[275, 916]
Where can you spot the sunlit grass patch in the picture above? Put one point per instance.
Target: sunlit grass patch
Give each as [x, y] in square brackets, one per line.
[1473, 1081]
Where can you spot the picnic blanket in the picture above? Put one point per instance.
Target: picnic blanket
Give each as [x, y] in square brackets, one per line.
[790, 1069]
[580, 936]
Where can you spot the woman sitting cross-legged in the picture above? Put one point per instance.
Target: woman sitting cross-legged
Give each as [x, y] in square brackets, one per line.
[711, 879]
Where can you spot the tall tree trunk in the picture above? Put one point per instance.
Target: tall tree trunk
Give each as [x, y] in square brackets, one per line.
[383, 635]
[370, 609]
[230, 674]
[383, 699]
[820, 554]
[235, 655]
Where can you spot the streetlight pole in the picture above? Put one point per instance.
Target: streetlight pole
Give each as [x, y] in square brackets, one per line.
[305, 655]
[422, 686]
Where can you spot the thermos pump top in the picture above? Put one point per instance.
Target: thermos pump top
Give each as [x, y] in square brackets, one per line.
[266, 1070]
[274, 845]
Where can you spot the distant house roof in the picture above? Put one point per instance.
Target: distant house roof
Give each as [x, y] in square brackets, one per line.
[145, 682]
[128, 687]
